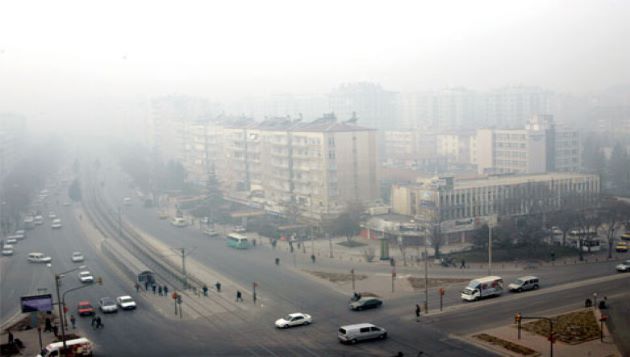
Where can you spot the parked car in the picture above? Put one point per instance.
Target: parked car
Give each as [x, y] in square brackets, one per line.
[624, 267]
[360, 332]
[366, 303]
[524, 283]
[295, 319]
[86, 277]
[7, 250]
[126, 302]
[77, 257]
[107, 305]
[487, 286]
[85, 308]
[621, 247]
[38, 258]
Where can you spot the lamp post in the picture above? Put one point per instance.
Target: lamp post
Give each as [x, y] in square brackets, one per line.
[60, 303]
[426, 272]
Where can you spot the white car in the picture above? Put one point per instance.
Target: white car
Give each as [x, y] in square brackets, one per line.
[624, 267]
[77, 257]
[7, 250]
[56, 223]
[39, 220]
[107, 304]
[179, 222]
[36, 257]
[210, 232]
[239, 229]
[126, 302]
[295, 319]
[20, 234]
[52, 215]
[11, 241]
[86, 277]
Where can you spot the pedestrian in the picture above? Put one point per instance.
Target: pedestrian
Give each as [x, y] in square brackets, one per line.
[218, 286]
[313, 258]
[73, 321]
[205, 290]
[463, 264]
[588, 303]
[47, 325]
[153, 287]
[56, 330]
[160, 290]
[99, 323]
[239, 296]
[254, 297]
[417, 313]
[165, 290]
[146, 285]
[93, 323]
[137, 286]
[11, 340]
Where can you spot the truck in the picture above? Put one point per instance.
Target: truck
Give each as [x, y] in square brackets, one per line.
[480, 288]
[76, 347]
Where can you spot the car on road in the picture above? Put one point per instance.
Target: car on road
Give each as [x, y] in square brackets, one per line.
[294, 319]
[66, 204]
[621, 247]
[38, 220]
[126, 302]
[239, 229]
[7, 250]
[623, 267]
[56, 223]
[365, 303]
[86, 277]
[107, 305]
[37, 257]
[210, 232]
[52, 215]
[20, 233]
[360, 332]
[179, 222]
[85, 308]
[524, 283]
[487, 286]
[77, 257]
[11, 241]
[127, 201]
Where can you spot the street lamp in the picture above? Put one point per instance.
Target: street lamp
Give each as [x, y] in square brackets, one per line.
[59, 301]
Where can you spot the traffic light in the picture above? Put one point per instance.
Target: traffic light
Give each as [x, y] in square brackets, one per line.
[99, 280]
[517, 318]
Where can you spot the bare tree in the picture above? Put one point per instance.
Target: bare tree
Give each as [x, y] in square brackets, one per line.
[613, 213]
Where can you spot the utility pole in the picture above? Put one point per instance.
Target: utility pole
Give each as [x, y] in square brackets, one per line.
[490, 249]
[182, 252]
[61, 316]
[426, 273]
[352, 272]
[330, 245]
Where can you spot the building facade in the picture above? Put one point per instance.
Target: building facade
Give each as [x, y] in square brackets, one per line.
[538, 148]
[461, 206]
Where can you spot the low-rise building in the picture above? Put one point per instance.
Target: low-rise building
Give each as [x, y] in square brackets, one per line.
[462, 205]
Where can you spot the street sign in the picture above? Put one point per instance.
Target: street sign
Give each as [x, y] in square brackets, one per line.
[37, 303]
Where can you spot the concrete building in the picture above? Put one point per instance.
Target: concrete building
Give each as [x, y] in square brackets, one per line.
[612, 120]
[457, 147]
[538, 148]
[12, 141]
[375, 107]
[461, 206]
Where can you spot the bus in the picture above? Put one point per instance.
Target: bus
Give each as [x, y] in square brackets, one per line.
[626, 236]
[237, 240]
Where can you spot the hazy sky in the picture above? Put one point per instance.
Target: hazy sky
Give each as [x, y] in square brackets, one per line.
[58, 53]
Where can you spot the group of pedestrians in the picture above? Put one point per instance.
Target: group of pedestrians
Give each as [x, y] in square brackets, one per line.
[157, 289]
[96, 322]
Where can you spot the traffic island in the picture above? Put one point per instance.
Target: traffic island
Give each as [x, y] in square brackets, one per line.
[419, 283]
[336, 277]
[575, 334]
[508, 345]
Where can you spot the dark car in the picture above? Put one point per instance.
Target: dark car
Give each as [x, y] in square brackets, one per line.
[366, 303]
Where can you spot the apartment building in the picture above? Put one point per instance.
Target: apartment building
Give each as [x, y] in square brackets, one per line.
[538, 148]
[457, 147]
[463, 205]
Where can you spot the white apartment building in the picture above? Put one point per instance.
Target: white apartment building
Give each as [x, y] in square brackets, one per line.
[457, 147]
[463, 205]
[538, 148]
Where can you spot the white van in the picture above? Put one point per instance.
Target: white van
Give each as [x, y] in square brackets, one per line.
[482, 288]
[179, 222]
[77, 347]
[359, 332]
[38, 258]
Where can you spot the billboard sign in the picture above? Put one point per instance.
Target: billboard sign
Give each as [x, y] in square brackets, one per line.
[37, 303]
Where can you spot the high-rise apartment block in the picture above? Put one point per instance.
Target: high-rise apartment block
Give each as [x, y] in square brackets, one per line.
[317, 166]
[375, 107]
[538, 148]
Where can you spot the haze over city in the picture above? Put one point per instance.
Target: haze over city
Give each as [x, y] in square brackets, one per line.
[324, 178]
